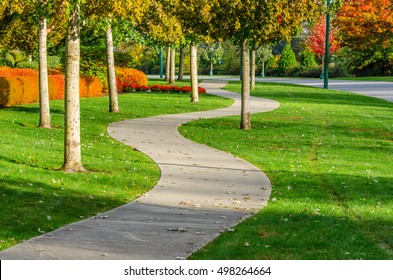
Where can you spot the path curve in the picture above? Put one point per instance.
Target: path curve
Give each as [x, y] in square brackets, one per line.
[201, 193]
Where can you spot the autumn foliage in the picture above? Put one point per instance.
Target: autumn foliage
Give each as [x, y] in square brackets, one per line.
[129, 76]
[316, 41]
[20, 86]
[366, 30]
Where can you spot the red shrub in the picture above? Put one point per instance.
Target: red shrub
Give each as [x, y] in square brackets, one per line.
[201, 90]
[186, 89]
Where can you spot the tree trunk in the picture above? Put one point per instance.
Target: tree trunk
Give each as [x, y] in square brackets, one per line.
[245, 106]
[168, 65]
[72, 141]
[43, 75]
[172, 78]
[252, 69]
[194, 72]
[181, 65]
[110, 61]
[263, 69]
[211, 68]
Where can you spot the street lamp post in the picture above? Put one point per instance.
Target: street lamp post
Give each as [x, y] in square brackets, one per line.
[327, 47]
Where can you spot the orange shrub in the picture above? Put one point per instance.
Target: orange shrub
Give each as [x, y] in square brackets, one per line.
[14, 72]
[131, 76]
[10, 91]
[90, 87]
[20, 86]
[29, 89]
[56, 85]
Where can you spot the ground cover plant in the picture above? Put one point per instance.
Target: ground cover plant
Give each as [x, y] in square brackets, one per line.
[329, 155]
[36, 198]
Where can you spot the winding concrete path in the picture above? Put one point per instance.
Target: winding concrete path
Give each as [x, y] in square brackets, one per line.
[202, 192]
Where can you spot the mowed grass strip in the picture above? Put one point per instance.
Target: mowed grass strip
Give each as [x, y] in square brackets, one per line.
[36, 198]
[329, 155]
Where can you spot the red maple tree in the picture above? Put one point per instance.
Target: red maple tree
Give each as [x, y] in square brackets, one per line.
[316, 40]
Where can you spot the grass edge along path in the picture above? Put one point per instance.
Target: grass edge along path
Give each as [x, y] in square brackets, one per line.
[329, 157]
[36, 198]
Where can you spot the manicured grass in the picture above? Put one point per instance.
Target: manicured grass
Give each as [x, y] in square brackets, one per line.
[375, 79]
[36, 198]
[329, 155]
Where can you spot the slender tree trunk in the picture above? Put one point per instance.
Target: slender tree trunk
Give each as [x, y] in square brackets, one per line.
[43, 75]
[252, 69]
[211, 68]
[110, 61]
[194, 72]
[181, 65]
[72, 137]
[245, 106]
[263, 69]
[168, 65]
[172, 78]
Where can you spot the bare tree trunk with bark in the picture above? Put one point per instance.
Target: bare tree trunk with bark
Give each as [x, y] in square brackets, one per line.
[194, 72]
[72, 137]
[110, 61]
[172, 78]
[168, 65]
[245, 106]
[253, 68]
[45, 120]
[181, 64]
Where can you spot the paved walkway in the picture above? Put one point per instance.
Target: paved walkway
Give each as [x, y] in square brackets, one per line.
[202, 192]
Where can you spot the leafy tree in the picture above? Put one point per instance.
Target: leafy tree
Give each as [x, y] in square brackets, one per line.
[365, 28]
[287, 59]
[212, 52]
[264, 53]
[255, 23]
[316, 40]
[31, 16]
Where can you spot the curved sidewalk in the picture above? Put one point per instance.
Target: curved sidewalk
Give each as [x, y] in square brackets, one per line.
[202, 192]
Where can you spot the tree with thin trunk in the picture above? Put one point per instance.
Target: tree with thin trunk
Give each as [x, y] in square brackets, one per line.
[168, 65]
[172, 65]
[72, 135]
[194, 72]
[181, 63]
[250, 22]
[45, 120]
[264, 53]
[245, 122]
[41, 10]
[110, 60]
[253, 67]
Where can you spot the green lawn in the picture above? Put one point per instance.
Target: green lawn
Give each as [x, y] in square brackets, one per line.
[36, 198]
[329, 155]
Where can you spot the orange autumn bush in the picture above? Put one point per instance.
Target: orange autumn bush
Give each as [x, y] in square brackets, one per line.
[90, 86]
[129, 76]
[20, 86]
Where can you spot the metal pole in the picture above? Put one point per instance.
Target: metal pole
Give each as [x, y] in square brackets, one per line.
[161, 65]
[327, 47]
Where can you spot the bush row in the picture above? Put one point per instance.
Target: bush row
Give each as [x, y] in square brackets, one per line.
[20, 86]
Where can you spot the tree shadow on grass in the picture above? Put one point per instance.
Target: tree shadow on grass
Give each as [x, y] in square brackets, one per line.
[30, 208]
[31, 110]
